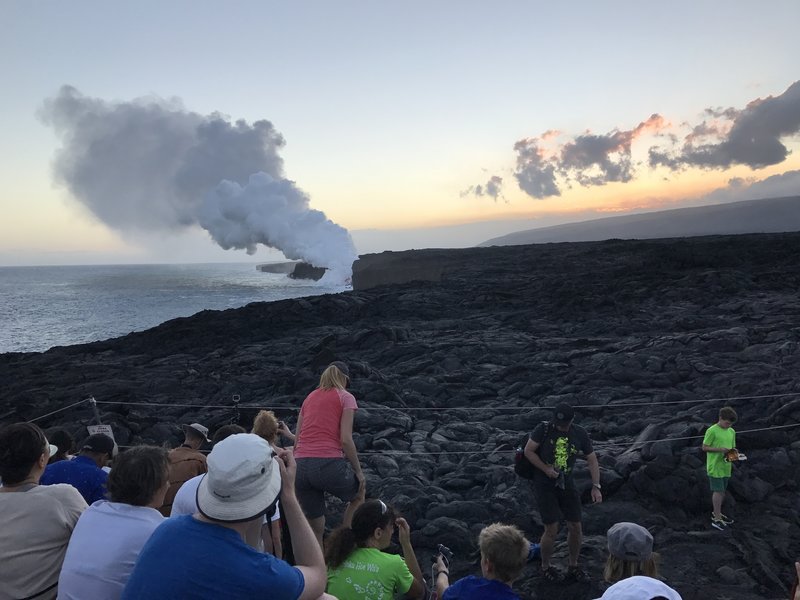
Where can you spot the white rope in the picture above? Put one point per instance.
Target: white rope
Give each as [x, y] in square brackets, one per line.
[59, 410]
[467, 408]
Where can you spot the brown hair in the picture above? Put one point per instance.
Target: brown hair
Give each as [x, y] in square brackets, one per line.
[265, 425]
[138, 474]
[227, 431]
[617, 569]
[728, 414]
[506, 548]
[369, 516]
[21, 445]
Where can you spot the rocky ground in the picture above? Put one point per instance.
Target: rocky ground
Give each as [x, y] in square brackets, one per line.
[648, 338]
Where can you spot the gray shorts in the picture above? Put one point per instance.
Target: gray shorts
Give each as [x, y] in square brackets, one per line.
[315, 476]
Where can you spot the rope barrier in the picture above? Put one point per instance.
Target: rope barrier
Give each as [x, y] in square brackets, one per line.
[467, 408]
[484, 451]
[59, 410]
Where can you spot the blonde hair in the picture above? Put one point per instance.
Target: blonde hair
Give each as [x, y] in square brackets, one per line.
[506, 548]
[265, 425]
[332, 378]
[617, 569]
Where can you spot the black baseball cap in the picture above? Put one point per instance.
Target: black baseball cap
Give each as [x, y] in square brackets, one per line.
[563, 413]
[100, 443]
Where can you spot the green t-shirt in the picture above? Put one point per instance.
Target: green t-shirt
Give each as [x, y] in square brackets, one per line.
[370, 574]
[717, 437]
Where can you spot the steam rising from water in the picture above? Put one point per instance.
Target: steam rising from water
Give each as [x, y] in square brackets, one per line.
[149, 164]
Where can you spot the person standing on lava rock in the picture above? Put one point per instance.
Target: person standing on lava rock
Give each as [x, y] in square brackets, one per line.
[327, 459]
[553, 448]
[718, 441]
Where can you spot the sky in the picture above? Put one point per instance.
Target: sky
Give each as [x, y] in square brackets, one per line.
[408, 124]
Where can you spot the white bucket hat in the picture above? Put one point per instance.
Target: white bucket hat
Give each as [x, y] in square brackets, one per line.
[639, 588]
[243, 479]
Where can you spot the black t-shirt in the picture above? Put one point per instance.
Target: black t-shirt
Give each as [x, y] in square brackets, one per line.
[559, 448]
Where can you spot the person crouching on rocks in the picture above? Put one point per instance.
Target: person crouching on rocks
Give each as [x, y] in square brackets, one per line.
[552, 448]
[504, 553]
[358, 569]
[327, 460]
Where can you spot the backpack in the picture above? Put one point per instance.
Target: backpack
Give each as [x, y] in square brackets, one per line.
[522, 466]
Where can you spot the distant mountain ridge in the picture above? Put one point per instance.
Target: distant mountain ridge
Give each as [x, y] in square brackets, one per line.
[770, 215]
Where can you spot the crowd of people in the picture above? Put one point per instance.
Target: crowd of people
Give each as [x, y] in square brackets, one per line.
[248, 519]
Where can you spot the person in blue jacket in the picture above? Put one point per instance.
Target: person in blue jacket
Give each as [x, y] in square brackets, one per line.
[504, 553]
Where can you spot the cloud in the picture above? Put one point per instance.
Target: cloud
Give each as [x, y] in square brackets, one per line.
[775, 186]
[149, 165]
[588, 159]
[751, 136]
[492, 188]
[535, 174]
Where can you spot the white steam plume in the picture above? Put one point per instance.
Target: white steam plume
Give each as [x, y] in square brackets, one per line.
[149, 164]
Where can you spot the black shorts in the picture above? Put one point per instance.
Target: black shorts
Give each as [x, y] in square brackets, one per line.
[315, 476]
[554, 502]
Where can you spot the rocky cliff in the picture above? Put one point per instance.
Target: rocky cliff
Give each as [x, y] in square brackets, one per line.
[649, 339]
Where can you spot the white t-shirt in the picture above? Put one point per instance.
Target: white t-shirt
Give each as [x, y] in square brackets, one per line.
[103, 549]
[37, 525]
[185, 502]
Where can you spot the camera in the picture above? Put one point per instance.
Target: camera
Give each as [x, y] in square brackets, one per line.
[446, 553]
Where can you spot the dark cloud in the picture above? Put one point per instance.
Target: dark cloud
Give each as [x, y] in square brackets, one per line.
[588, 159]
[492, 188]
[535, 174]
[752, 136]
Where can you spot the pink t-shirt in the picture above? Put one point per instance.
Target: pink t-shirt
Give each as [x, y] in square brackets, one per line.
[322, 416]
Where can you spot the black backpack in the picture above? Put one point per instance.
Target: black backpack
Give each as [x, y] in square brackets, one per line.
[522, 466]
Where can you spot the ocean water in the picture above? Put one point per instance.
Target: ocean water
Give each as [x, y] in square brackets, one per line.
[42, 307]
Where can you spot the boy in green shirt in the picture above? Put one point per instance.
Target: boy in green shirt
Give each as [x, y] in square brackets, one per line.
[719, 438]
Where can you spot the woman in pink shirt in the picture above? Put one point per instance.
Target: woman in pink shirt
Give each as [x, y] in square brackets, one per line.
[327, 460]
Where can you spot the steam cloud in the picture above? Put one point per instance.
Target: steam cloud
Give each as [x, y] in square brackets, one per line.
[725, 137]
[149, 164]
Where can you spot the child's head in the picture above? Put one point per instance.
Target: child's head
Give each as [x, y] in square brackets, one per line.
[727, 416]
[504, 552]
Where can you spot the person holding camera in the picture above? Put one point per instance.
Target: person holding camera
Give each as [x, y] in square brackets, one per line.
[504, 553]
[553, 448]
[358, 567]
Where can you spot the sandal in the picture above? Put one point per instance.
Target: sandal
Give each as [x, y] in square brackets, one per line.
[577, 574]
[552, 574]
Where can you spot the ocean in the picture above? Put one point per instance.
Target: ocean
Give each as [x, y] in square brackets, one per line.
[42, 307]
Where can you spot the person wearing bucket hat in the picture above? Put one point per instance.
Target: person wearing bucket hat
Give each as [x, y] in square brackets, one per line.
[640, 587]
[37, 520]
[327, 459]
[552, 448]
[205, 555]
[185, 462]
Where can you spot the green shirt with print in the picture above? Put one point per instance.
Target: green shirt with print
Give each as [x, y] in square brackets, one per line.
[718, 437]
[370, 574]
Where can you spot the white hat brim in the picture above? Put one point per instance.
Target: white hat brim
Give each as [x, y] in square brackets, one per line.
[221, 510]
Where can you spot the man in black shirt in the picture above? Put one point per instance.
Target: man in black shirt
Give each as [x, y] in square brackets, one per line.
[552, 448]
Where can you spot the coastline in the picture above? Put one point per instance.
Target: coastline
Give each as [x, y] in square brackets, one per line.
[648, 337]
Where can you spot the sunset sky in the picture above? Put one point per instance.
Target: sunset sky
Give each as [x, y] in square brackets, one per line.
[413, 117]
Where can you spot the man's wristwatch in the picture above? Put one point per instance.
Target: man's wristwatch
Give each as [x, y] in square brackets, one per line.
[597, 485]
